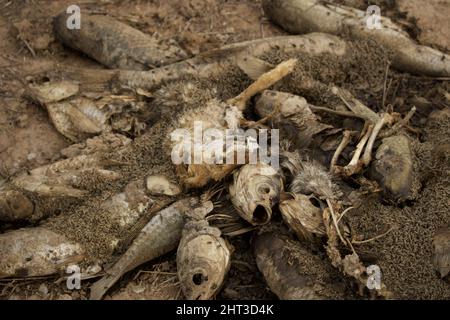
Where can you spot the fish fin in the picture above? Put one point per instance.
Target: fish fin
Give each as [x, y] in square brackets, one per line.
[99, 288]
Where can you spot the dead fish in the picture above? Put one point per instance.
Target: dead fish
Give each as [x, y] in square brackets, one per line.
[218, 116]
[55, 91]
[126, 207]
[203, 260]
[441, 257]
[36, 252]
[304, 216]
[312, 178]
[291, 271]
[161, 185]
[210, 64]
[290, 161]
[294, 113]
[104, 143]
[393, 168]
[305, 16]
[160, 236]
[59, 179]
[212, 116]
[254, 191]
[15, 206]
[77, 117]
[115, 44]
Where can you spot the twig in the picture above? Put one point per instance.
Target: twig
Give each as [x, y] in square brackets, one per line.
[333, 217]
[344, 213]
[29, 47]
[372, 239]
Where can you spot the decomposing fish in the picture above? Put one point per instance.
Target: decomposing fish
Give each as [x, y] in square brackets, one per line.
[115, 44]
[160, 236]
[210, 64]
[303, 215]
[255, 190]
[78, 117]
[313, 179]
[59, 179]
[304, 16]
[203, 260]
[441, 257]
[393, 168]
[25, 194]
[104, 143]
[36, 252]
[291, 271]
[161, 185]
[15, 206]
[294, 113]
[202, 164]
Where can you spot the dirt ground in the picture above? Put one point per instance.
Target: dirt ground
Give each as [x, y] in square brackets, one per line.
[29, 140]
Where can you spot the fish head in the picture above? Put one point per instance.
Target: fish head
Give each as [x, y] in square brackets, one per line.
[203, 260]
[256, 189]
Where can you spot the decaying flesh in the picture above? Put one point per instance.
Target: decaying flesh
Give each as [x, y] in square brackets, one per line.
[60, 179]
[206, 65]
[255, 190]
[211, 64]
[160, 236]
[302, 215]
[280, 260]
[15, 206]
[36, 252]
[304, 16]
[313, 179]
[441, 257]
[203, 260]
[115, 44]
[393, 168]
[294, 112]
[161, 185]
[78, 117]
[220, 116]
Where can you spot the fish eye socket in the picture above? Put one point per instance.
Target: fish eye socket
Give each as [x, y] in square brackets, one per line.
[314, 202]
[199, 278]
[264, 190]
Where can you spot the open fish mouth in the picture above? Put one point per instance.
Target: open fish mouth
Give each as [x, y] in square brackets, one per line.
[261, 214]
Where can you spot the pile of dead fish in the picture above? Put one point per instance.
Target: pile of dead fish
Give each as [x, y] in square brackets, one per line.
[306, 194]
